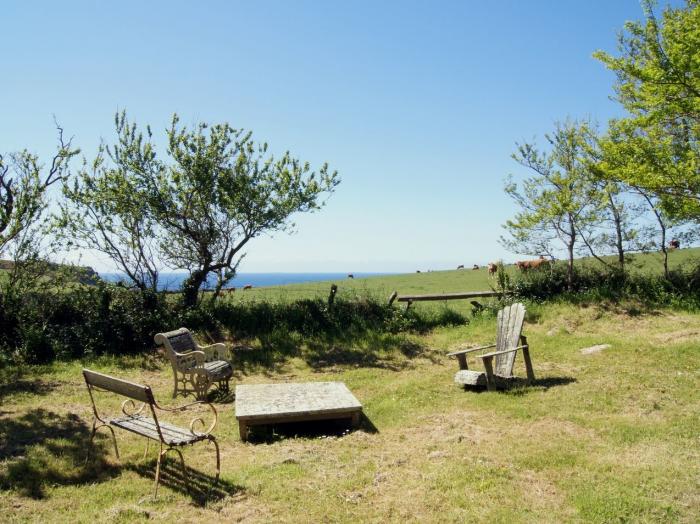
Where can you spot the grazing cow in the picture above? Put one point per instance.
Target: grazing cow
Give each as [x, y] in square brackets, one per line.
[350, 275]
[461, 266]
[417, 270]
[475, 267]
[247, 286]
[674, 244]
[524, 265]
[230, 290]
[493, 268]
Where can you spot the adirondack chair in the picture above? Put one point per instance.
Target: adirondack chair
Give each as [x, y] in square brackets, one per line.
[195, 368]
[508, 335]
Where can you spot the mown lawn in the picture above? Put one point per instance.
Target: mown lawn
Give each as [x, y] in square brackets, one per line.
[605, 437]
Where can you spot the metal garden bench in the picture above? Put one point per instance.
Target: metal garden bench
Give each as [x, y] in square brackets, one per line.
[136, 420]
[195, 368]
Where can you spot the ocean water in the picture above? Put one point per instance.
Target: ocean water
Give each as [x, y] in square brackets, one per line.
[173, 281]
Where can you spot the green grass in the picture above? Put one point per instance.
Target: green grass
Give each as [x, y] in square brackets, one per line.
[605, 437]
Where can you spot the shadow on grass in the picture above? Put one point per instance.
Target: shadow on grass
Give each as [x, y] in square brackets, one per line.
[33, 387]
[518, 386]
[42, 448]
[353, 349]
[313, 429]
[202, 488]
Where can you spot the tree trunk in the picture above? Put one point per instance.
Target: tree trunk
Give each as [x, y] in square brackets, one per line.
[570, 248]
[617, 218]
[191, 286]
[664, 249]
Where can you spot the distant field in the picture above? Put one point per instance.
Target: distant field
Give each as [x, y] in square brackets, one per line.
[438, 281]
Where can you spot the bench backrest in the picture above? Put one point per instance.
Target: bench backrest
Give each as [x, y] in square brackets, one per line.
[509, 328]
[116, 385]
[179, 340]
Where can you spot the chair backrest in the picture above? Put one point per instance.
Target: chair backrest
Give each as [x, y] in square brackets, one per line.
[116, 385]
[179, 340]
[509, 329]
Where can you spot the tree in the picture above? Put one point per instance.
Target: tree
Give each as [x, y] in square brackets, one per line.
[559, 200]
[105, 208]
[24, 184]
[200, 206]
[658, 83]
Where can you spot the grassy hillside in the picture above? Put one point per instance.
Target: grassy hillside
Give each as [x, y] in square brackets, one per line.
[441, 281]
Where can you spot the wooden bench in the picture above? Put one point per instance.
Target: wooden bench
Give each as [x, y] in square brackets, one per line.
[136, 420]
[410, 299]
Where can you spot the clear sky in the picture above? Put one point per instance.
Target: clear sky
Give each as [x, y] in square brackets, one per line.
[418, 105]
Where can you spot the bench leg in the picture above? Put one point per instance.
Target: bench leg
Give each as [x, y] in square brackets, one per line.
[92, 438]
[243, 430]
[218, 464]
[161, 455]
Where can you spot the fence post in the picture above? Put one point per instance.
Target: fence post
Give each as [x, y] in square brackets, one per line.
[392, 297]
[331, 297]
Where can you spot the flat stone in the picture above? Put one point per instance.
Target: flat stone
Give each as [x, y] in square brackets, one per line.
[277, 401]
[594, 349]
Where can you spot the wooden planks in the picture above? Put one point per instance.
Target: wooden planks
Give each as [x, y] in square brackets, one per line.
[147, 427]
[277, 403]
[445, 296]
[116, 385]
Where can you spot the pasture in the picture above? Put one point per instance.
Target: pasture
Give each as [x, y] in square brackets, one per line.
[605, 436]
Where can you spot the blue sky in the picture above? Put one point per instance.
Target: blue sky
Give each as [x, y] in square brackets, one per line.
[418, 105]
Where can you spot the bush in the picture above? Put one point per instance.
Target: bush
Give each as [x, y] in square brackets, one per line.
[681, 289]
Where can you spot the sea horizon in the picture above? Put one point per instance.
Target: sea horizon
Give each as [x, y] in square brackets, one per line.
[172, 281]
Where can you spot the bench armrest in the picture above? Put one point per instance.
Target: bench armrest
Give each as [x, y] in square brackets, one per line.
[217, 351]
[189, 360]
[470, 350]
[495, 353]
[197, 420]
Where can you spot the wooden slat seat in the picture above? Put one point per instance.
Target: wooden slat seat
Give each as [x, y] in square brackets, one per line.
[218, 369]
[147, 427]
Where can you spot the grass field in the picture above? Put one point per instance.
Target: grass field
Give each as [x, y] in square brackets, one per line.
[441, 281]
[604, 437]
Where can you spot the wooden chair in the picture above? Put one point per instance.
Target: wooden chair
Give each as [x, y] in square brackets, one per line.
[196, 368]
[170, 437]
[508, 335]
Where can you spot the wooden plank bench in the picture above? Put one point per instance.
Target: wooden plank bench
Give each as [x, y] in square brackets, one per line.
[169, 436]
[410, 299]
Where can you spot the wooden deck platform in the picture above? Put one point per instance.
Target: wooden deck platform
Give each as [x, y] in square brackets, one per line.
[259, 404]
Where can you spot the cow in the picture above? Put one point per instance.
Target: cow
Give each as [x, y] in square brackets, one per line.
[230, 290]
[461, 266]
[493, 268]
[524, 265]
[247, 286]
[475, 267]
[350, 275]
[674, 244]
[417, 270]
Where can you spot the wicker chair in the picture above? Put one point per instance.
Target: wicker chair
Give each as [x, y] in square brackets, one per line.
[195, 368]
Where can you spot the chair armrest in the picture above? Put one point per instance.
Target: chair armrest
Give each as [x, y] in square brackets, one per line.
[196, 420]
[217, 351]
[495, 353]
[470, 350]
[182, 358]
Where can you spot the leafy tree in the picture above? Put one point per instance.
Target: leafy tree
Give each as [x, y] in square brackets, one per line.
[105, 208]
[196, 209]
[559, 200]
[24, 185]
[658, 81]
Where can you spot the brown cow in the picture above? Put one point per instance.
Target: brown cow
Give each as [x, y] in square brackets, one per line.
[674, 244]
[493, 268]
[538, 263]
[247, 286]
